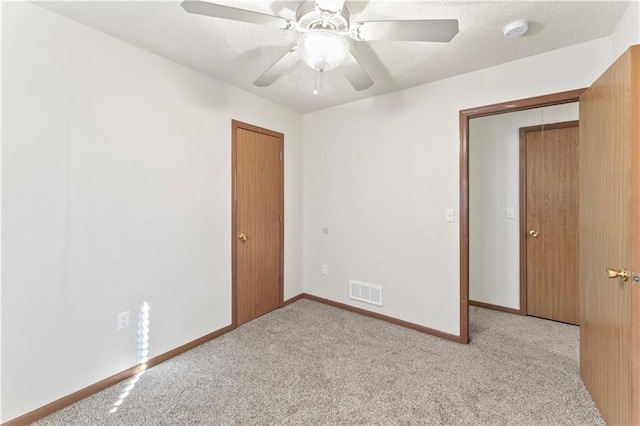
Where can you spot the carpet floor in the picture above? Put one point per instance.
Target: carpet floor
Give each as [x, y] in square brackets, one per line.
[309, 363]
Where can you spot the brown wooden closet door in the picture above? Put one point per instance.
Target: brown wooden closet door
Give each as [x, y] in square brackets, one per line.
[258, 221]
[552, 222]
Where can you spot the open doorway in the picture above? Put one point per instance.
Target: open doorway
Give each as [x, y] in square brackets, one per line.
[465, 117]
[523, 212]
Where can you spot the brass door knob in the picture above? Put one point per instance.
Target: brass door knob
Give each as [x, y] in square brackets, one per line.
[623, 274]
[242, 237]
[533, 233]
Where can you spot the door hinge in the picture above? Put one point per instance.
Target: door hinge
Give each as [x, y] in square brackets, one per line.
[280, 156]
[635, 278]
[280, 216]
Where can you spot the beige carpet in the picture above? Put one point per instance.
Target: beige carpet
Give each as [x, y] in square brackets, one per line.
[313, 364]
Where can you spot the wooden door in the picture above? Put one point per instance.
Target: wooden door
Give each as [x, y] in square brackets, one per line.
[551, 225]
[258, 221]
[610, 238]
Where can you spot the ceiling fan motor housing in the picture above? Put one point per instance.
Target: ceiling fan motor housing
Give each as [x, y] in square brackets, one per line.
[309, 18]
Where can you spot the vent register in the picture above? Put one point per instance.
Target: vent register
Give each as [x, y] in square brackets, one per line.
[363, 292]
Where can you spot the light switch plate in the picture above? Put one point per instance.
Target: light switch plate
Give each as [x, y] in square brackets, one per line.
[449, 216]
[510, 213]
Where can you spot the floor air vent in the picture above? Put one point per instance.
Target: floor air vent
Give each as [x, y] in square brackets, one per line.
[363, 292]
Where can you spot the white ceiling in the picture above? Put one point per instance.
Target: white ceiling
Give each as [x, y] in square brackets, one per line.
[238, 53]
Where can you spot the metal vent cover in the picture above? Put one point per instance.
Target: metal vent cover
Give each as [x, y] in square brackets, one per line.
[363, 292]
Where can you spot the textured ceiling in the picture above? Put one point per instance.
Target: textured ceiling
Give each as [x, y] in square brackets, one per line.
[238, 53]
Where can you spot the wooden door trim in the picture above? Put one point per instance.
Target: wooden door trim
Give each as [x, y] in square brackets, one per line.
[494, 307]
[523, 202]
[235, 125]
[465, 116]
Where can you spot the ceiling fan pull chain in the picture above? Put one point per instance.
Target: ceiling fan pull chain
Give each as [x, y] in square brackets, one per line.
[315, 82]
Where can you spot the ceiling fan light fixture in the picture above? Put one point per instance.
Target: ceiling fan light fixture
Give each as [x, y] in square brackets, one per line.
[322, 50]
[331, 7]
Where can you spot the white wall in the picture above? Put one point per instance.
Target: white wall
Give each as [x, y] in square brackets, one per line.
[116, 189]
[494, 179]
[627, 32]
[379, 173]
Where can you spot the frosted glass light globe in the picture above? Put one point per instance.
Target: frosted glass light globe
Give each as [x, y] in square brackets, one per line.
[322, 50]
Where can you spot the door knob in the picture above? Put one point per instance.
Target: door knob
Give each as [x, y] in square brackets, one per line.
[533, 233]
[242, 237]
[623, 274]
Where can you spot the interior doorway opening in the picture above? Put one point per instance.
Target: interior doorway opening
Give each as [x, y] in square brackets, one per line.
[465, 117]
[523, 224]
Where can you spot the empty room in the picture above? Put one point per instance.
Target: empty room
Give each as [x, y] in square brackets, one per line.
[320, 212]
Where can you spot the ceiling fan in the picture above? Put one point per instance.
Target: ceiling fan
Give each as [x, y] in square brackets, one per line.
[324, 26]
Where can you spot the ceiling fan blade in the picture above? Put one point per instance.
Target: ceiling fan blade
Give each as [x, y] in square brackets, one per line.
[355, 73]
[234, 14]
[433, 30]
[282, 65]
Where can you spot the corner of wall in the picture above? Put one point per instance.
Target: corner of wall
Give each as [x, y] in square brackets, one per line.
[627, 32]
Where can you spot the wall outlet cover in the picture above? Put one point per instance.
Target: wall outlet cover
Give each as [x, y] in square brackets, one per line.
[123, 320]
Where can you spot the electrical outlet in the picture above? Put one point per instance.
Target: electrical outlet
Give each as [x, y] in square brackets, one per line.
[123, 320]
[325, 270]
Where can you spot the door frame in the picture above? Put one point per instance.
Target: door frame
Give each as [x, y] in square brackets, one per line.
[465, 116]
[523, 201]
[235, 125]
